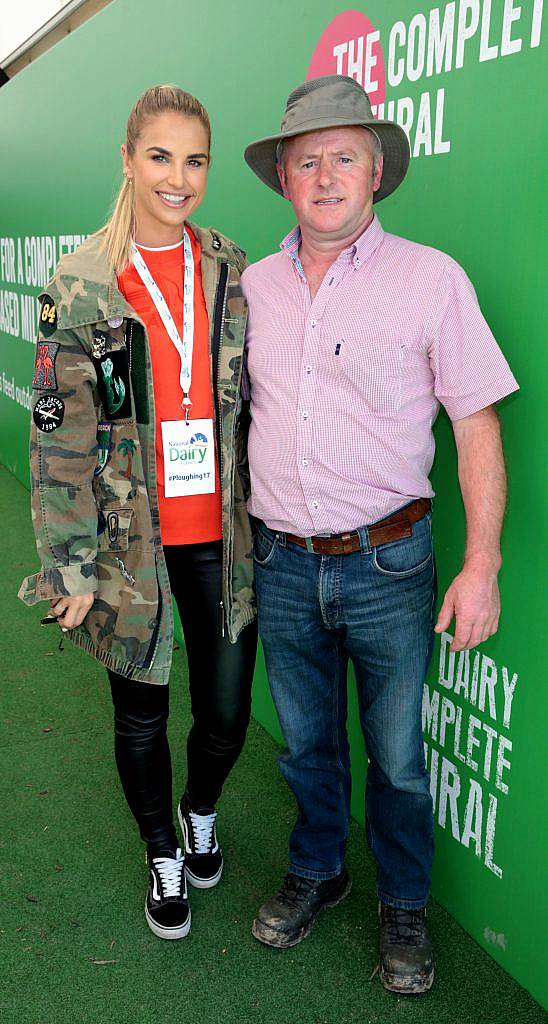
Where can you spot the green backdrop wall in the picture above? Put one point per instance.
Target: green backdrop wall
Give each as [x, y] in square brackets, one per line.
[468, 80]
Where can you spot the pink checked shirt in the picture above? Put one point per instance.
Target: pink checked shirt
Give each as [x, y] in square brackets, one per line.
[345, 388]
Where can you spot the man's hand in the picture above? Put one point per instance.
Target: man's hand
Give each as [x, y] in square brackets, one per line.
[71, 611]
[473, 598]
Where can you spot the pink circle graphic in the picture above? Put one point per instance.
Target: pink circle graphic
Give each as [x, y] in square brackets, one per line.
[344, 48]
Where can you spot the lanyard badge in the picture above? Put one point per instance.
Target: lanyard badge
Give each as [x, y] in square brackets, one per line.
[184, 344]
[189, 455]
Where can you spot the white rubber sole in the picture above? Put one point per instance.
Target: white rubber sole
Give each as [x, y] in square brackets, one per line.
[203, 883]
[168, 933]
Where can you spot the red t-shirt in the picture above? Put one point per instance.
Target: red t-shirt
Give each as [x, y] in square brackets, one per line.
[194, 518]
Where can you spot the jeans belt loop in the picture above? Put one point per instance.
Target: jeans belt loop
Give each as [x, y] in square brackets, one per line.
[347, 542]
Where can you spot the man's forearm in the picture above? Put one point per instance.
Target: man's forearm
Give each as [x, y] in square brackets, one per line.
[482, 479]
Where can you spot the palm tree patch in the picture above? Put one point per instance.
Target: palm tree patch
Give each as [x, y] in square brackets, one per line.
[127, 450]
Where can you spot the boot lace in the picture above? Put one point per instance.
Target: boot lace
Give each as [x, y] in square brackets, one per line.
[293, 888]
[404, 927]
[203, 831]
[170, 871]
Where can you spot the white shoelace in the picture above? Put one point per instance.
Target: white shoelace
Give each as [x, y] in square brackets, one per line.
[170, 870]
[203, 829]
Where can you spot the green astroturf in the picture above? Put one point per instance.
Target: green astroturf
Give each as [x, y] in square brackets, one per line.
[75, 945]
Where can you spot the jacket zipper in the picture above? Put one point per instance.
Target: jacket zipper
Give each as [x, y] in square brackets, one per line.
[155, 638]
[218, 327]
[129, 348]
[225, 320]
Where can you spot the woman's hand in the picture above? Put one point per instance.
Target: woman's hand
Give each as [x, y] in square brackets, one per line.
[71, 611]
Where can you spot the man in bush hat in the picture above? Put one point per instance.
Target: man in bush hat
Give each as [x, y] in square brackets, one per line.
[355, 337]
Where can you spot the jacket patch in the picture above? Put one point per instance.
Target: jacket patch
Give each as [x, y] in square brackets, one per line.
[47, 320]
[99, 344]
[44, 367]
[48, 413]
[113, 526]
[113, 384]
[127, 575]
[127, 451]
[104, 431]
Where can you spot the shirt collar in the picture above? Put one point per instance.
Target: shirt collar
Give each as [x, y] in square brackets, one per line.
[357, 253]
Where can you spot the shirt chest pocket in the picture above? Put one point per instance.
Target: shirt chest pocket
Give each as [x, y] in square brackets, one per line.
[371, 372]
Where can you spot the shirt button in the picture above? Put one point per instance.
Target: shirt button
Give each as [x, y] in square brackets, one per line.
[305, 462]
[309, 369]
[314, 504]
[313, 322]
[305, 415]
[358, 261]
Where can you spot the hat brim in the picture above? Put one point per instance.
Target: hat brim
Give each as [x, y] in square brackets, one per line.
[261, 155]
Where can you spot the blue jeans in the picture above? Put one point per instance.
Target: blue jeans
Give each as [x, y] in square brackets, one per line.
[316, 612]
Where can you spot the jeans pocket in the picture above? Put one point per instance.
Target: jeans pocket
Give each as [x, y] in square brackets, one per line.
[264, 547]
[406, 557]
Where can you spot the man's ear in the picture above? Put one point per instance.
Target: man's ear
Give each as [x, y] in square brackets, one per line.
[378, 174]
[282, 179]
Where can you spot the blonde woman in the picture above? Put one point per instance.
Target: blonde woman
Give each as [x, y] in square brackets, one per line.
[139, 481]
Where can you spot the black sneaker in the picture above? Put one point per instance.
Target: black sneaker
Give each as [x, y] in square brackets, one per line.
[405, 964]
[203, 856]
[166, 906]
[289, 916]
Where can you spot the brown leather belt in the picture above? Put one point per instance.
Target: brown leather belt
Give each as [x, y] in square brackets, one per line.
[394, 527]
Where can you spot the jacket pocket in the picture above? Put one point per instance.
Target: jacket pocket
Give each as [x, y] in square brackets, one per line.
[114, 529]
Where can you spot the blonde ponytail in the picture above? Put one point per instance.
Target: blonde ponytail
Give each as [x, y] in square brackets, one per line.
[119, 231]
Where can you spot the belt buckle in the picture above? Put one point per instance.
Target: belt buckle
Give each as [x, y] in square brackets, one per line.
[309, 543]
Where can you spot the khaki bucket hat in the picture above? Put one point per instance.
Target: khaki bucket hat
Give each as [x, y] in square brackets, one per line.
[331, 101]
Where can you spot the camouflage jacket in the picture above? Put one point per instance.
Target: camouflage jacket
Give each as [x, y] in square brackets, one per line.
[93, 464]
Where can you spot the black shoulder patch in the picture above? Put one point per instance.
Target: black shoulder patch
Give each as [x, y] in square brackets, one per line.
[47, 321]
[48, 413]
[113, 383]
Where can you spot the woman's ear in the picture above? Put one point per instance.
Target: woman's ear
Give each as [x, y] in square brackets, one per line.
[125, 161]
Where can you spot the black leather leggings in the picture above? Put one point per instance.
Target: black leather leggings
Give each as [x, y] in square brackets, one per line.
[220, 676]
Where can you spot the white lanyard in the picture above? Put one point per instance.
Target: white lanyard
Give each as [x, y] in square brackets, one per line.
[185, 344]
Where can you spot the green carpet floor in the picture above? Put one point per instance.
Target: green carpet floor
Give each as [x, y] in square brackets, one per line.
[75, 946]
